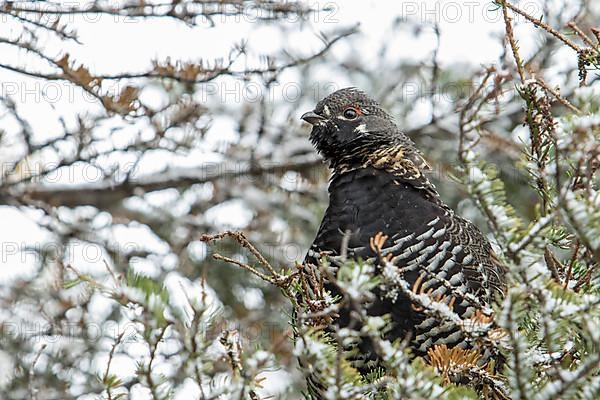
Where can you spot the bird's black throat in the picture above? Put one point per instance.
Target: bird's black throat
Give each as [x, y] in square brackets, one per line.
[345, 151]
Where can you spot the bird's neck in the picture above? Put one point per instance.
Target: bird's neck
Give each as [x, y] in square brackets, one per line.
[405, 164]
[394, 159]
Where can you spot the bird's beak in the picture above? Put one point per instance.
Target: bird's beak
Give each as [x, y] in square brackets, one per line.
[312, 118]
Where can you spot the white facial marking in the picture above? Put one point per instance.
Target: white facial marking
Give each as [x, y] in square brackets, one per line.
[362, 128]
[326, 111]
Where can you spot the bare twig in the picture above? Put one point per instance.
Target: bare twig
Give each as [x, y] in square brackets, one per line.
[105, 379]
[557, 96]
[581, 34]
[511, 40]
[539, 23]
[32, 390]
[274, 277]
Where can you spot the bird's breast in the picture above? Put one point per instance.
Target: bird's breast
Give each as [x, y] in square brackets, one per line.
[367, 201]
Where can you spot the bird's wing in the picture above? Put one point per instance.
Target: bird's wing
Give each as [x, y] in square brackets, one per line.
[424, 236]
[447, 256]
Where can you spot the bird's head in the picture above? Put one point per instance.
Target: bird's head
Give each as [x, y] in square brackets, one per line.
[351, 129]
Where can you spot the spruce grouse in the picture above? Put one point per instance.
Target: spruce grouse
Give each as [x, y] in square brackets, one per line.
[378, 186]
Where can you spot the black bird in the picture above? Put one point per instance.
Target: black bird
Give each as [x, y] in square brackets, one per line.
[378, 186]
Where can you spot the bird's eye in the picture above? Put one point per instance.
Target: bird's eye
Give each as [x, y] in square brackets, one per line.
[350, 113]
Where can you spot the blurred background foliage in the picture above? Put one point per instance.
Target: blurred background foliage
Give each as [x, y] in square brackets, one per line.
[112, 183]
